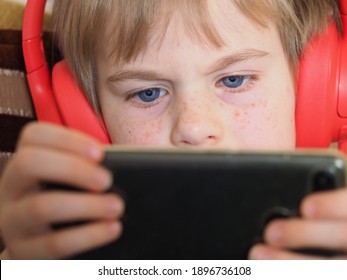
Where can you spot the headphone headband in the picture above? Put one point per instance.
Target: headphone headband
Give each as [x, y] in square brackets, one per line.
[35, 61]
[31, 36]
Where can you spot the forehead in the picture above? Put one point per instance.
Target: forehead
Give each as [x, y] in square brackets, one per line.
[231, 30]
[228, 23]
[207, 23]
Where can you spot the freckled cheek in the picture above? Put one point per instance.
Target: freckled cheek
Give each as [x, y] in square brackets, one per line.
[252, 115]
[269, 119]
[270, 126]
[254, 124]
[131, 132]
[241, 118]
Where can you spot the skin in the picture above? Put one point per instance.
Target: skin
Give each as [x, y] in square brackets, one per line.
[195, 110]
[49, 153]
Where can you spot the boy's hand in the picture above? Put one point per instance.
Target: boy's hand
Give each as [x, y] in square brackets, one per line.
[47, 153]
[323, 225]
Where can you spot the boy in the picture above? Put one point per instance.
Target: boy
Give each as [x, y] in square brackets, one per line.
[189, 74]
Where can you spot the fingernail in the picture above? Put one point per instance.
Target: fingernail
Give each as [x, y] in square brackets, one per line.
[94, 152]
[260, 254]
[274, 234]
[310, 210]
[114, 227]
[113, 206]
[104, 178]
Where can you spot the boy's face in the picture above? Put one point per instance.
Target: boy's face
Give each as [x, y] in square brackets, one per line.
[184, 93]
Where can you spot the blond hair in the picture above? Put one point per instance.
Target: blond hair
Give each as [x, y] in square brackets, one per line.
[83, 27]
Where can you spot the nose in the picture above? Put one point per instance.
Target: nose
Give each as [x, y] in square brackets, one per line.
[197, 123]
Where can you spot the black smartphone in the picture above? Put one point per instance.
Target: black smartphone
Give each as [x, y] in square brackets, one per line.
[209, 204]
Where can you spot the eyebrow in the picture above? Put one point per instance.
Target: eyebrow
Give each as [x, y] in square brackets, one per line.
[134, 74]
[229, 60]
[148, 75]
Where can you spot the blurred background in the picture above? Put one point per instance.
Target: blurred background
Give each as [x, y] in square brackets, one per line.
[11, 13]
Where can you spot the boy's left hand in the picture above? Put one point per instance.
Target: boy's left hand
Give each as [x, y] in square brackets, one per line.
[323, 225]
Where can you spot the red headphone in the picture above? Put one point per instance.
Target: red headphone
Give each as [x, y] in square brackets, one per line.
[321, 110]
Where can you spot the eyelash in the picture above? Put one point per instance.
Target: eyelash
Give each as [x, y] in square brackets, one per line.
[132, 98]
[247, 84]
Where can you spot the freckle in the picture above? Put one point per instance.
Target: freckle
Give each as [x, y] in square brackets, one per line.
[147, 134]
[264, 103]
[237, 114]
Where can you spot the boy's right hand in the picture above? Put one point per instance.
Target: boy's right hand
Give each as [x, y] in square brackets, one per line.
[48, 153]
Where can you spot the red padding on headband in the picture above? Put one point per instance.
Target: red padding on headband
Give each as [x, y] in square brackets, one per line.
[42, 95]
[74, 107]
[316, 109]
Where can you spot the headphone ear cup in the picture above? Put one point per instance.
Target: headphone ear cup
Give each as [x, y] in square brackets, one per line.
[74, 108]
[317, 92]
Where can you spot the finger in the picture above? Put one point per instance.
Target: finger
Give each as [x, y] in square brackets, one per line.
[35, 212]
[265, 252]
[299, 233]
[326, 205]
[31, 166]
[60, 138]
[68, 242]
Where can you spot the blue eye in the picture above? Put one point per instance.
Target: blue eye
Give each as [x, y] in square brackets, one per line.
[233, 81]
[150, 95]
